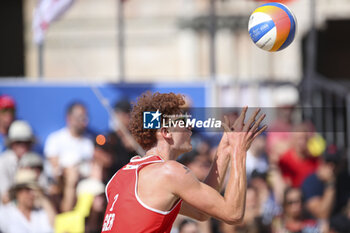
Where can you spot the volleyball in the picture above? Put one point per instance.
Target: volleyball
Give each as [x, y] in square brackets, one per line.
[272, 26]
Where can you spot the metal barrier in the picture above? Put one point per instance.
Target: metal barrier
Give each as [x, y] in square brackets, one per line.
[332, 99]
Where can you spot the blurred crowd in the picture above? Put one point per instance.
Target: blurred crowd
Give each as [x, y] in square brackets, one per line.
[291, 186]
[296, 182]
[60, 189]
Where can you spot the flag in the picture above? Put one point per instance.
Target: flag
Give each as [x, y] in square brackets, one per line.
[45, 13]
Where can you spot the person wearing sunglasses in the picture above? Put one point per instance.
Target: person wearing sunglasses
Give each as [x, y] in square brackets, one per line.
[148, 193]
[292, 219]
[69, 152]
[29, 209]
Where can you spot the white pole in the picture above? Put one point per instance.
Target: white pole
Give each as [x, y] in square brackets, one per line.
[121, 37]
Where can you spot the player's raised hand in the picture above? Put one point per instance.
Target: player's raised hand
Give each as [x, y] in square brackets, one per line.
[240, 135]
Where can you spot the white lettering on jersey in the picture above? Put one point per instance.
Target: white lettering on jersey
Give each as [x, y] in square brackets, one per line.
[109, 219]
[108, 222]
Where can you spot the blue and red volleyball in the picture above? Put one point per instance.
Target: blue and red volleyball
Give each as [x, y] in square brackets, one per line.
[272, 26]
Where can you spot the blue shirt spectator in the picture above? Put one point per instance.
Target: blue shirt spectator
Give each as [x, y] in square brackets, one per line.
[312, 187]
[319, 187]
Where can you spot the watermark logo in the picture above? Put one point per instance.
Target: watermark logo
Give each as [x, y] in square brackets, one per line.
[151, 120]
[186, 121]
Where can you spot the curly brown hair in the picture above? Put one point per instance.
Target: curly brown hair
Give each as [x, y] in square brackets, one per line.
[167, 104]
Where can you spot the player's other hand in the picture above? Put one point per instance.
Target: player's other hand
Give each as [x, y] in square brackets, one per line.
[239, 135]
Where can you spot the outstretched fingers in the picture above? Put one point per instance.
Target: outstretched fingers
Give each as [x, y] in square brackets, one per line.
[226, 124]
[239, 123]
[254, 128]
[260, 131]
[254, 135]
[251, 120]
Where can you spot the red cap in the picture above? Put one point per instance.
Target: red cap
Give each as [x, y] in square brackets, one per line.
[7, 102]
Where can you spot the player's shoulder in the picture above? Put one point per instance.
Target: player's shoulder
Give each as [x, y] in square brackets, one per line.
[170, 175]
[168, 169]
[175, 172]
[172, 166]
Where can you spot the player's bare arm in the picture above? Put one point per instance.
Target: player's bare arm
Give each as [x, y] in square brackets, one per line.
[232, 143]
[214, 179]
[218, 169]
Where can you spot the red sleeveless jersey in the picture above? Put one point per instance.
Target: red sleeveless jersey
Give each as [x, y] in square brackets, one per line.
[126, 213]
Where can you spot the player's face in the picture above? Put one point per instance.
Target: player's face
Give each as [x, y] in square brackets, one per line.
[181, 136]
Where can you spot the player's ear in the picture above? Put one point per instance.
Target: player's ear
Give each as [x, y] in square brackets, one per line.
[164, 131]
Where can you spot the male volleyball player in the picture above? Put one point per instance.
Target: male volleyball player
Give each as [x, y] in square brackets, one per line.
[147, 194]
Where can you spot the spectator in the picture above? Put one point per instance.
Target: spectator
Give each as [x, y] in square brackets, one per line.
[319, 188]
[121, 149]
[70, 145]
[341, 222]
[22, 214]
[200, 166]
[252, 221]
[7, 116]
[198, 163]
[256, 157]
[88, 213]
[342, 184]
[278, 137]
[188, 226]
[297, 163]
[97, 210]
[268, 203]
[69, 152]
[34, 162]
[20, 141]
[292, 220]
[103, 158]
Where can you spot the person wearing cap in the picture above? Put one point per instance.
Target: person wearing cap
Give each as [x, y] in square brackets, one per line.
[20, 141]
[33, 161]
[7, 116]
[23, 213]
